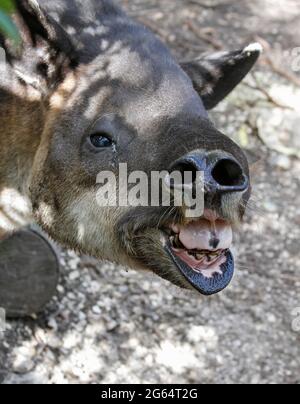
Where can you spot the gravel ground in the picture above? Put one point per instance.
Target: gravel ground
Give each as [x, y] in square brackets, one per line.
[107, 325]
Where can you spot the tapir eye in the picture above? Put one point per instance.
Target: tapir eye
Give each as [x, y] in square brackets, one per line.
[101, 140]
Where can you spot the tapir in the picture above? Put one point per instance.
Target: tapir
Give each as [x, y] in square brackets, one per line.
[88, 90]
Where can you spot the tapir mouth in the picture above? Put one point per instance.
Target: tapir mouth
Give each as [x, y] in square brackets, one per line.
[201, 252]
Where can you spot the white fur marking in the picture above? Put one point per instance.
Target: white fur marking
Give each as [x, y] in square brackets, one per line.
[254, 47]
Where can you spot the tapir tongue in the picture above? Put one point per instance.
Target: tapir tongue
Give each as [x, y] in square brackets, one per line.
[206, 235]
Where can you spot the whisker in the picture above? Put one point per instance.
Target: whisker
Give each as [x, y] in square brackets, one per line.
[165, 215]
[255, 205]
[244, 267]
[252, 207]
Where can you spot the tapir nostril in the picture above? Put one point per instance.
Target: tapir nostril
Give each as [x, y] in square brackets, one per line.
[228, 173]
[222, 174]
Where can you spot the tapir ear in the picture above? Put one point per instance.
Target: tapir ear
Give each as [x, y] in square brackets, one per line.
[214, 76]
[47, 50]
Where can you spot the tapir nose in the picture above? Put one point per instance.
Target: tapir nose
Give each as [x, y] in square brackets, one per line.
[222, 172]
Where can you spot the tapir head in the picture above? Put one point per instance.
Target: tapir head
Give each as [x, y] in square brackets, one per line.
[114, 95]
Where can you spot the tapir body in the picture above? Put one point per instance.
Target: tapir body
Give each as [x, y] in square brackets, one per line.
[90, 89]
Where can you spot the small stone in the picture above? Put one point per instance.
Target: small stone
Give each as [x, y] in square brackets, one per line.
[71, 296]
[23, 365]
[270, 207]
[112, 325]
[283, 162]
[73, 263]
[54, 342]
[52, 324]
[81, 316]
[74, 275]
[41, 336]
[62, 262]
[96, 310]
[271, 318]
[60, 289]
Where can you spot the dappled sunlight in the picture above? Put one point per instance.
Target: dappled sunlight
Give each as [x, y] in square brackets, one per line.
[176, 357]
[180, 356]
[15, 209]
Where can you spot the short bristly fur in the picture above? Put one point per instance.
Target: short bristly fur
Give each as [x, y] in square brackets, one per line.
[86, 65]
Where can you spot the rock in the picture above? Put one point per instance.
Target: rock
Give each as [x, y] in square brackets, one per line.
[270, 206]
[74, 275]
[96, 310]
[52, 323]
[60, 289]
[23, 365]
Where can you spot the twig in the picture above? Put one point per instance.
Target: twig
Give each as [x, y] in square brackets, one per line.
[160, 32]
[204, 4]
[203, 35]
[282, 72]
[287, 151]
[268, 96]
[290, 277]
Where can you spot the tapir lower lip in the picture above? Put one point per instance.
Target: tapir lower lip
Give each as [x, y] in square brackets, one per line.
[206, 286]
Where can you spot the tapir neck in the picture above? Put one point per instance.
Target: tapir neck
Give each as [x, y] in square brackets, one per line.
[22, 121]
